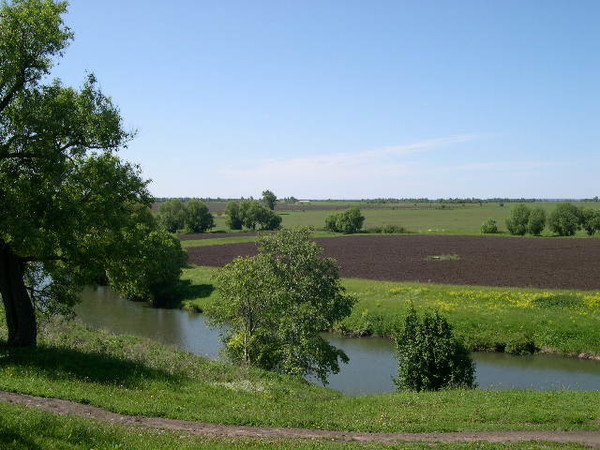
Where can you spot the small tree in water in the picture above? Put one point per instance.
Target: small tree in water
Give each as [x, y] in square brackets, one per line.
[430, 357]
[277, 303]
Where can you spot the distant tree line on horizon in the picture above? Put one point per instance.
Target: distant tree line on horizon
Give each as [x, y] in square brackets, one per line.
[383, 201]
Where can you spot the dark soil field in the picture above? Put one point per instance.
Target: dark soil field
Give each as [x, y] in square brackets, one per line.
[483, 260]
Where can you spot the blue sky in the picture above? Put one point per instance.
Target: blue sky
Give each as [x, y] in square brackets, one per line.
[350, 99]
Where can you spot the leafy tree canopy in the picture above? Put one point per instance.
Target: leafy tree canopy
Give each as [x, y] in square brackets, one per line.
[277, 303]
[251, 214]
[565, 219]
[70, 207]
[349, 221]
[518, 219]
[430, 357]
[269, 199]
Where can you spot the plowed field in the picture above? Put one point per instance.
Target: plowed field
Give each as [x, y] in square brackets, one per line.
[483, 260]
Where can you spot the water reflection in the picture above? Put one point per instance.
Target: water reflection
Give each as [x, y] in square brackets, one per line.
[372, 364]
[102, 308]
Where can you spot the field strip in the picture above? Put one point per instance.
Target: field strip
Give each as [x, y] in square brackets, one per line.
[64, 407]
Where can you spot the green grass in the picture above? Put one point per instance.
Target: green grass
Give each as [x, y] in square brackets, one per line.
[136, 376]
[216, 240]
[22, 427]
[422, 218]
[512, 319]
[426, 218]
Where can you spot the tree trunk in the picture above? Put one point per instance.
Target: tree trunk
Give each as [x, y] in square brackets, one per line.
[20, 315]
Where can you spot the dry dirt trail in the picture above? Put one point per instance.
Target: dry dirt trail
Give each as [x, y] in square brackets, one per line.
[57, 406]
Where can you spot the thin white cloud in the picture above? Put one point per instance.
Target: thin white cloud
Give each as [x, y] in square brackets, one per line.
[342, 166]
[501, 166]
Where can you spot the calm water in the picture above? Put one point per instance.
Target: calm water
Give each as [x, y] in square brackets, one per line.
[372, 363]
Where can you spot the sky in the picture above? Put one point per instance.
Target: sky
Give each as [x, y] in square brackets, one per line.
[349, 99]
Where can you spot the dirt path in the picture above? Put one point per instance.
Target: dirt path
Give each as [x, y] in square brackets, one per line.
[57, 406]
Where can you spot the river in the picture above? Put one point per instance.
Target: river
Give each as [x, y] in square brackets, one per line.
[372, 363]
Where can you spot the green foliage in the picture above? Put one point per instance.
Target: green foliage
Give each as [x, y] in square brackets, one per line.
[536, 221]
[489, 227]
[430, 357]
[277, 302]
[565, 220]
[67, 200]
[191, 216]
[234, 219]
[172, 215]
[349, 221]
[198, 218]
[387, 229]
[590, 220]
[151, 267]
[269, 199]
[518, 220]
[251, 214]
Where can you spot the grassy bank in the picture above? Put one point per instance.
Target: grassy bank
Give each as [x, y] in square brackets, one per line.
[140, 377]
[509, 319]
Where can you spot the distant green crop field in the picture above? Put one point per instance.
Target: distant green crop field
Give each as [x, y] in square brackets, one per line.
[425, 218]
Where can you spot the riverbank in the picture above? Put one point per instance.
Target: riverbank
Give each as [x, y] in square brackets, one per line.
[134, 376]
[513, 320]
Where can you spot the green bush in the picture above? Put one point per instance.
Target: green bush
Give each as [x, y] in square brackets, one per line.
[387, 229]
[590, 220]
[251, 214]
[537, 221]
[518, 220]
[430, 357]
[489, 227]
[171, 215]
[348, 222]
[198, 218]
[565, 220]
[234, 220]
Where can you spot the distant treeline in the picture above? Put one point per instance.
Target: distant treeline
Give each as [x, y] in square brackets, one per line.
[220, 199]
[394, 200]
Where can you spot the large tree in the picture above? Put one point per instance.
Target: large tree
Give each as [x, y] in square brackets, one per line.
[68, 204]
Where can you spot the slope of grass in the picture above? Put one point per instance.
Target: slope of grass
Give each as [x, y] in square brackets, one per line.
[136, 376]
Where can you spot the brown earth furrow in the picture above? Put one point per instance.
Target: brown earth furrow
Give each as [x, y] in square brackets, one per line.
[63, 407]
[551, 263]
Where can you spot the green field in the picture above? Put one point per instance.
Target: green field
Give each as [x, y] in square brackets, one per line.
[426, 218]
[509, 319]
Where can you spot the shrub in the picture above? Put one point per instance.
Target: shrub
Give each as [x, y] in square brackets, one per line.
[234, 220]
[349, 221]
[565, 220]
[537, 221]
[590, 220]
[387, 229]
[518, 220]
[198, 218]
[430, 357]
[489, 227]
[171, 215]
[251, 214]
